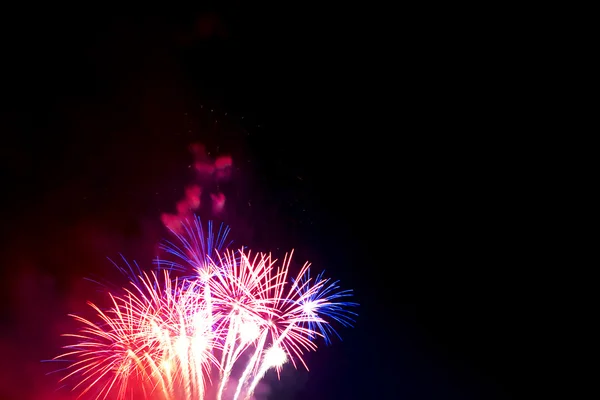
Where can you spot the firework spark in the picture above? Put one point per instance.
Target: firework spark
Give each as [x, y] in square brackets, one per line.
[180, 337]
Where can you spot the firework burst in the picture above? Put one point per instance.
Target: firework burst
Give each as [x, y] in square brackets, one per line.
[179, 331]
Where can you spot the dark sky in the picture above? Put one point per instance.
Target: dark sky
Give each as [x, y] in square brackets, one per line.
[363, 140]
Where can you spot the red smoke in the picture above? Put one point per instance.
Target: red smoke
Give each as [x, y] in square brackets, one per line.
[209, 171]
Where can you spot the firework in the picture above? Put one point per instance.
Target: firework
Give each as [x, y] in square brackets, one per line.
[195, 250]
[183, 337]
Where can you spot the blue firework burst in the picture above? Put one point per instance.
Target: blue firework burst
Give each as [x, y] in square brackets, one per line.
[321, 300]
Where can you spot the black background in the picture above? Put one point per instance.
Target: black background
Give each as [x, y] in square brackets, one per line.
[367, 140]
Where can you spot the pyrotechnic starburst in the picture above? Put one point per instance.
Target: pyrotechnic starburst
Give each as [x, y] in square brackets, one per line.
[195, 251]
[170, 337]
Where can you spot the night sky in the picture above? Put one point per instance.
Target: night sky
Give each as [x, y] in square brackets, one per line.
[363, 142]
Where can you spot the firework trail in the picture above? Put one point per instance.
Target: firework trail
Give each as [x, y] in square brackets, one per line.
[150, 338]
[178, 331]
